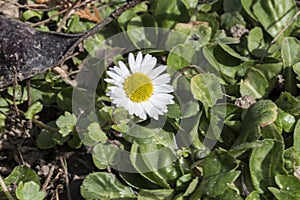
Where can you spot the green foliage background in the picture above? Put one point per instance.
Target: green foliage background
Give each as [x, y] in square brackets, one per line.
[254, 47]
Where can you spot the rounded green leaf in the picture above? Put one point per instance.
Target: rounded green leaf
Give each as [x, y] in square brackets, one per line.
[45, 140]
[255, 84]
[297, 135]
[163, 194]
[274, 15]
[207, 89]
[257, 116]
[266, 161]
[139, 34]
[105, 155]
[180, 56]
[94, 135]
[289, 188]
[28, 14]
[104, 186]
[33, 110]
[64, 99]
[168, 13]
[66, 123]
[29, 191]
[22, 174]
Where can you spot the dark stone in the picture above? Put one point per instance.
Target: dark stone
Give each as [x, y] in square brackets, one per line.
[25, 51]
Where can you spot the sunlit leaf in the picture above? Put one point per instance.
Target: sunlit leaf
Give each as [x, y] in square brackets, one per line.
[266, 161]
[104, 186]
[29, 190]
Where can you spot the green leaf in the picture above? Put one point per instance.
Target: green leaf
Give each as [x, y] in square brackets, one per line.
[292, 161]
[229, 19]
[287, 121]
[290, 51]
[28, 14]
[164, 194]
[274, 15]
[104, 186]
[22, 174]
[92, 43]
[259, 46]
[145, 135]
[105, 155]
[139, 34]
[190, 189]
[168, 13]
[20, 94]
[75, 25]
[190, 5]
[289, 188]
[231, 51]
[266, 161]
[183, 182]
[45, 140]
[126, 16]
[66, 123]
[29, 191]
[136, 180]
[247, 5]
[75, 141]
[207, 89]
[209, 18]
[157, 163]
[94, 135]
[43, 93]
[219, 171]
[255, 84]
[258, 115]
[2, 121]
[180, 56]
[33, 110]
[194, 35]
[296, 68]
[289, 103]
[64, 99]
[227, 65]
[297, 136]
[254, 195]
[232, 5]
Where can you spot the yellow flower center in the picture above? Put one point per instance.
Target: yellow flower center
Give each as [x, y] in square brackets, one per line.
[138, 87]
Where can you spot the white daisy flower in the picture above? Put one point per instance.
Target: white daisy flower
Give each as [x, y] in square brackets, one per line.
[143, 89]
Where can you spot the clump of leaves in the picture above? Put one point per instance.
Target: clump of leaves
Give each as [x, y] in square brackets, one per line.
[256, 152]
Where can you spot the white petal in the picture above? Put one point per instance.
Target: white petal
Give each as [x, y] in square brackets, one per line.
[109, 80]
[148, 64]
[114, 75]
[164, 88]
[146, 59]
[161, 106]
[131, 61]
[139, 59]
[117, 71]
[124, 69]
[157, 71]
[120, 102]
[162, 98]
[139, 111]
[130, 107]
[162, 79]
[117, 91]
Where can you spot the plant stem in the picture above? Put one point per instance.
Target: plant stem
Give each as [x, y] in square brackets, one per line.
[5, 190]
[44, 126]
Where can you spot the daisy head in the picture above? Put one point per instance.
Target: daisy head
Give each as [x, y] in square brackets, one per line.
[142, 89]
